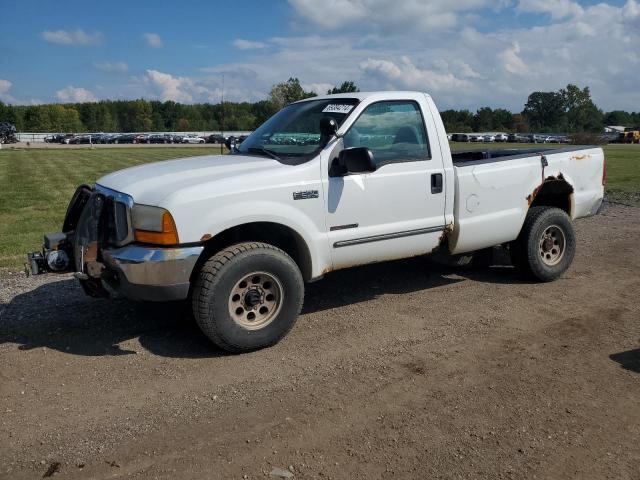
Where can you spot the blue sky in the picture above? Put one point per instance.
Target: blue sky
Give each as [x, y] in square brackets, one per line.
[466, 53]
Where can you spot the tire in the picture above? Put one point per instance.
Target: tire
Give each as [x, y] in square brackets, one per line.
[546, 245]
[273, 293]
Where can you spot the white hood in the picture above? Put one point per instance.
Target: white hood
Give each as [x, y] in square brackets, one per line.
[149, 184]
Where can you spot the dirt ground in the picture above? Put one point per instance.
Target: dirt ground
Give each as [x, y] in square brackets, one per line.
[400, 370]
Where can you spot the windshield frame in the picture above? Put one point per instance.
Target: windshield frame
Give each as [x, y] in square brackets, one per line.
[291, 158]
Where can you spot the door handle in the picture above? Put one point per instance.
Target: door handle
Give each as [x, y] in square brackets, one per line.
[436, 183]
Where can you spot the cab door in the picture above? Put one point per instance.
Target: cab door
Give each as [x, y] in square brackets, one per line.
[397, 210]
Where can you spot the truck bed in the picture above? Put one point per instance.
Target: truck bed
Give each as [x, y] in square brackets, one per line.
[494, 190]
[487, 156]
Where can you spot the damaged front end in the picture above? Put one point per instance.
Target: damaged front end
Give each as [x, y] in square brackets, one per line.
[95, 219]
[98, 242]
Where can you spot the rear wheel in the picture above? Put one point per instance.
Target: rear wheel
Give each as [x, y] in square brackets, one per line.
[247, 296]
[546, 245]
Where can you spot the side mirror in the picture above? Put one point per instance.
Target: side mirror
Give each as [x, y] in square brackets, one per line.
[328, 127]
[357, 160]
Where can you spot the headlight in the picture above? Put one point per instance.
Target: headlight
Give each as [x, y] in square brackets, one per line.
[153, 225]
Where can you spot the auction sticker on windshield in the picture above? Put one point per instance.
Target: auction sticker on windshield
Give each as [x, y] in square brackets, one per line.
[334, 108]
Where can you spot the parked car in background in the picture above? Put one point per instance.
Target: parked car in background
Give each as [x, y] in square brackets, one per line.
[97, 138]
[192, 138]
[214, 138]
[460, 137]
[517, 138]
[502, 137]
[159, 138]
[233, 142]
[489, 138]
[125, 138]
[476, 138]
[54, 138]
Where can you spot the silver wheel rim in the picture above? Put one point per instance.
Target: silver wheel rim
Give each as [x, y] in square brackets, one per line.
[255, 300]
[552, 245]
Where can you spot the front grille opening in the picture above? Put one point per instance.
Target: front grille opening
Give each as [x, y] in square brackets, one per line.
[116, 222]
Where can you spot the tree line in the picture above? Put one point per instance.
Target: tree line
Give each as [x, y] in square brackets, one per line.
[569, 110]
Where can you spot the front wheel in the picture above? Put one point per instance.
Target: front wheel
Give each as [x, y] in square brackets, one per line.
[546, 245]
[247, 296]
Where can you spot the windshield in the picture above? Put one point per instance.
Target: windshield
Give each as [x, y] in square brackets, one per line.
[292, 135]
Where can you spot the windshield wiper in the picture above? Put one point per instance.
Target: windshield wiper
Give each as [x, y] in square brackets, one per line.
[269, 153]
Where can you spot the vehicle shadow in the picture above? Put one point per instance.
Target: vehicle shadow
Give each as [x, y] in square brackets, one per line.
[629, 360]
[59, 316]
[367, 282]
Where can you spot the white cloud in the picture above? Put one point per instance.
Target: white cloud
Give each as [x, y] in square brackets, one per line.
[469, 66]
[76, 37]
[5, 85]
[319, 88]
[153, 40]
[111, 67]
[242, 44]
[406, 75]
[178, 89]
[388, 15]
[75, 94]
[556, 8]
[511, 62]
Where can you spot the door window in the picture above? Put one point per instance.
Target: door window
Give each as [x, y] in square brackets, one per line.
[394, 131]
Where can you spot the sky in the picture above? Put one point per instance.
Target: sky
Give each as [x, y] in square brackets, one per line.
[465, 53]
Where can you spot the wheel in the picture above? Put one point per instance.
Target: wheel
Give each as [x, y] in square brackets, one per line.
[546, 245]
[247, 296]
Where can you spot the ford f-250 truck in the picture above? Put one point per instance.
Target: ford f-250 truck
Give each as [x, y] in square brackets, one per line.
[326, 183]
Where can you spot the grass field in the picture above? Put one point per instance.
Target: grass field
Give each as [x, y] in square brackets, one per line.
[36, 184]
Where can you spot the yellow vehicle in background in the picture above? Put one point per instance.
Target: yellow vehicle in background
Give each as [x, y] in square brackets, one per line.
[631, 136]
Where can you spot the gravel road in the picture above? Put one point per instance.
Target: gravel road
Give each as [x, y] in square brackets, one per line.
[398, 370]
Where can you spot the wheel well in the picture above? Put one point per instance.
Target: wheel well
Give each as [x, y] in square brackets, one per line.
[554, 192]
[275, 234]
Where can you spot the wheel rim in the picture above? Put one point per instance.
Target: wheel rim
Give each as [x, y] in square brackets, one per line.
[552, 245]
[255, 300]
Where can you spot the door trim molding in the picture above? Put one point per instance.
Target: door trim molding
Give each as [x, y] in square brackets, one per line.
[387, 236]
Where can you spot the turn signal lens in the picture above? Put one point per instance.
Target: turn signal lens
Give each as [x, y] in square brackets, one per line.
[168, 235]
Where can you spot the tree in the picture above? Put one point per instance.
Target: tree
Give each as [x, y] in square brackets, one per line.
[582, 115]
[288, 92]
[262, 111]
[457, 120]
[483, 120]
[503, 119]
[619, 117]
[346, 87]
[545, 111]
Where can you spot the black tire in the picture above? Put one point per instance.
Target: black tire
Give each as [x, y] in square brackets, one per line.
[216, 281]
[534, 257]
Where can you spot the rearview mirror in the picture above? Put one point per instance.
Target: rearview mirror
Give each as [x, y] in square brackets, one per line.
[328, 126]
[357, 160]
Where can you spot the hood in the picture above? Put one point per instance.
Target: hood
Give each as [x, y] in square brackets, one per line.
[150, 183]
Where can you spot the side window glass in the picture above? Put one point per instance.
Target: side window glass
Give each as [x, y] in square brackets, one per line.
[394, 131]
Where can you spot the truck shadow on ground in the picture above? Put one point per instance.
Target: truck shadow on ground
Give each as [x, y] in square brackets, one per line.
[59, 316]
[629, 360]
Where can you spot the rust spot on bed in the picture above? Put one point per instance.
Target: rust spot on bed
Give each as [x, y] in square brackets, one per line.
[205, 237]
[580, 157]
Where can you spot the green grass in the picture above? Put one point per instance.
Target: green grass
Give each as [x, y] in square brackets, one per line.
[36, 184]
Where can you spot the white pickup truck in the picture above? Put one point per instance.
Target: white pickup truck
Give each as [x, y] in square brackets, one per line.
[327, 183]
